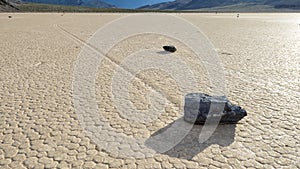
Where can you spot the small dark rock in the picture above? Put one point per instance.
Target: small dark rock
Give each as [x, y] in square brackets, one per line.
[197, 107]
[170, 48]
[9, 16]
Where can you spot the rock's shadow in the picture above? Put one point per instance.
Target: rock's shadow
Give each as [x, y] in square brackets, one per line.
[163, 52]
[189, 146]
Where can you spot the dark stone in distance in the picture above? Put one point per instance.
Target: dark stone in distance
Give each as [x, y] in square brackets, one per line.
[9, 16]
[170, 48]
[198, 105]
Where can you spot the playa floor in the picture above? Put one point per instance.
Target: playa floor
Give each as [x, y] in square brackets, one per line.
[40, 128]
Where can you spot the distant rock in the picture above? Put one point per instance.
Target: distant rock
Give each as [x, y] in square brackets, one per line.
[170, 48]
[197, 107]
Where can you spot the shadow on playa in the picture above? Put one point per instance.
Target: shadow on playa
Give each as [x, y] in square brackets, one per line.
[189, 147]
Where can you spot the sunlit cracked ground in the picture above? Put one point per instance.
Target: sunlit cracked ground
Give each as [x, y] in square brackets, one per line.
[40, 129]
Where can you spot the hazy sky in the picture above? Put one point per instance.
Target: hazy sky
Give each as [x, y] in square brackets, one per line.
[133, 3]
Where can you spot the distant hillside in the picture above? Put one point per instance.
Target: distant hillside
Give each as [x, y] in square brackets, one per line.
[183, 5]
[10, 5]
[225, 4]
[292, 4]
[38, 7]
[87, 3]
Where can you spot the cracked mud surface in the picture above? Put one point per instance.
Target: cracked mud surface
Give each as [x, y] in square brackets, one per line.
[40, 129]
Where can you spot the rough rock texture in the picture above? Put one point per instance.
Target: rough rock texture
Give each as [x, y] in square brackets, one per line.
[198, 105]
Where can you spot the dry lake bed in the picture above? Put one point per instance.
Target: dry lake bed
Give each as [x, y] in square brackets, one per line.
[40, 127]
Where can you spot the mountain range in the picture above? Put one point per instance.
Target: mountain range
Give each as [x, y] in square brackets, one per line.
[132, 4]
[209, 5]
[206, 4]
[87, 3]
[9, 5]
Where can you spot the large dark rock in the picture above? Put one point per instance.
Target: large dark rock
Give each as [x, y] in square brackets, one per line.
[198, 105]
